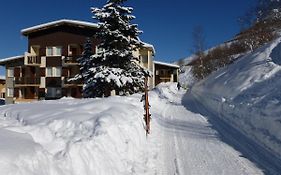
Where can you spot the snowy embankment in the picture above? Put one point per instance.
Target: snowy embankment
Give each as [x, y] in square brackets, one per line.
[186, 77]
[71, 136]
[247, 95]
[107, 137]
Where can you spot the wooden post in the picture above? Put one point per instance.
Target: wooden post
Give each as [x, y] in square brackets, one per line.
[147, 115]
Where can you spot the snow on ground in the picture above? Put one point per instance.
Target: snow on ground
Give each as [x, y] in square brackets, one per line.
[107, 137]
[69, 136]
[246, 95]
[186, 142]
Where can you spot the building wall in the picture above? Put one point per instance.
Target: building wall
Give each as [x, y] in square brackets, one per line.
[2, 88]
[10, 80]
[9, 84]
[147, 54]
[60, 36]
[164, 73]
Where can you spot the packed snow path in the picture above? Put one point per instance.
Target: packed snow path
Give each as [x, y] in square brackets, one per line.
[187, 144]
[263, 158]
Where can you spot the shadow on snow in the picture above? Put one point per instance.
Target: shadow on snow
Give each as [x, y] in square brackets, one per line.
[269, 163]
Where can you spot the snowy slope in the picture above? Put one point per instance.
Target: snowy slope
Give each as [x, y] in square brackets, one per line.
[247, 95]
[106, 137]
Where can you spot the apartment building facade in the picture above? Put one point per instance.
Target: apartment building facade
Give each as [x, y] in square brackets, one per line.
[51, 60]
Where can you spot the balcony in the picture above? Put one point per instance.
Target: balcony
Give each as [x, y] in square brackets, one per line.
[27, 81]
[32, 60]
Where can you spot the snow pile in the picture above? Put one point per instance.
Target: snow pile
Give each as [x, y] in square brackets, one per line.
[168, 91]
[73, 137]
[247, 95]
[186, 77]
[106, 136]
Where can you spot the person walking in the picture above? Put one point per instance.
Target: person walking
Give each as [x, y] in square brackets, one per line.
[178, 86]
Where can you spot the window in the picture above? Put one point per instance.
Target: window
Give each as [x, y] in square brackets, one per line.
[10, 92]
[73, 50]
[54, 51]
[53, 92]
[49, 51]
[53, 71]
[57, 71]
[49, 72]
[157, 72]
[10, 72]
[144, 59]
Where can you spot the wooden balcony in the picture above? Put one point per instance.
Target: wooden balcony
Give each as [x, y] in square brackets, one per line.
[27, 81]
[32, 60]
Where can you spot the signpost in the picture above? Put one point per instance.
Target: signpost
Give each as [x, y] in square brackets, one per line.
[147, 115]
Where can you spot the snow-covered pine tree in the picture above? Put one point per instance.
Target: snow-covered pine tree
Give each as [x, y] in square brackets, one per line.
[85, 60]
[114, 66]
[84, 63]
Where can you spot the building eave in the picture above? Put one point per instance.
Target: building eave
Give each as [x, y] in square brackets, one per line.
[4, 61]
[44, 26]
[166, 64]
[150, 46]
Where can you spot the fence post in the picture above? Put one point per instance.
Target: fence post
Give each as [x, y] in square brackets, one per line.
[147, 115]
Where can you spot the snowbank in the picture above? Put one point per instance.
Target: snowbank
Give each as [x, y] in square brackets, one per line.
[247, 95]
[186, 77]
[73, 137]
[167, 91]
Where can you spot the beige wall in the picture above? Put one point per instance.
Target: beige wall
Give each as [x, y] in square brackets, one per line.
[2, 90]
[147, 54]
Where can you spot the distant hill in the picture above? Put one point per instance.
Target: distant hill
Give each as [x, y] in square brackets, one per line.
[195, 68]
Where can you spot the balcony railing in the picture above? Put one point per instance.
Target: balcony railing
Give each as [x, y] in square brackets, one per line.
[33, 60]
[27, 81]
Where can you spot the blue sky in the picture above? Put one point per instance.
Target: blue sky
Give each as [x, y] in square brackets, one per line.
[166, 24]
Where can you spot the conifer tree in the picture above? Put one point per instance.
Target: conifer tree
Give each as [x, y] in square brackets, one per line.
[84, 63]
[85, 60]
[114, 66]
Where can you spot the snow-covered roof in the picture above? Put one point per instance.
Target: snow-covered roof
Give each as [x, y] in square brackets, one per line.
[4, 60]
[166, 64]
[147, 45]
[57, 23]
[2, 77]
